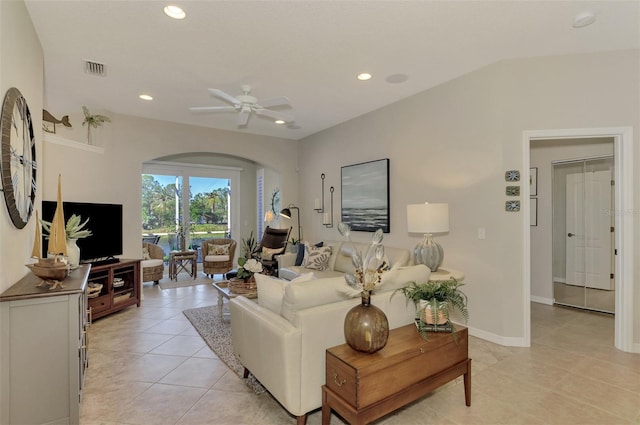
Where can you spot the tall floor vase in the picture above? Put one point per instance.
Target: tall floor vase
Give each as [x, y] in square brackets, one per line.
[366, 327]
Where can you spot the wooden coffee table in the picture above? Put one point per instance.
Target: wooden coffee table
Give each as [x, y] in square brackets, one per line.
[222, 287]
[363, 387]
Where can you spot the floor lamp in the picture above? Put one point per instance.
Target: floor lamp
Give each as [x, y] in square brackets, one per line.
[286, 212]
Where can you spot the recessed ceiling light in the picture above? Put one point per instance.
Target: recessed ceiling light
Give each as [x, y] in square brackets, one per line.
[584, 19]
[364, 76]
[145, 97]
[174, 12]
[280, 122]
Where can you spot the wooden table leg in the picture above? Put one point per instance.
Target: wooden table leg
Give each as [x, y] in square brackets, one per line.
[467, 384]
[326, 409]
[220, 299]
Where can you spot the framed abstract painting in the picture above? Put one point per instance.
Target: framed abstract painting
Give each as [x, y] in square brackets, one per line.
[365, 196]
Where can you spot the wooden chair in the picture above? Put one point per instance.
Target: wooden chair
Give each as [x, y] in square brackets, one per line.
[274, 242]
[217, 263]
[153, 266]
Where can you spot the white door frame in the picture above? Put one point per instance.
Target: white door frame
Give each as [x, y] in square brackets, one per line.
[623, 213]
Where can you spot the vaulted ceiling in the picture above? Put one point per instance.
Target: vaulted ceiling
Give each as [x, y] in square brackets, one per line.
[308, 51]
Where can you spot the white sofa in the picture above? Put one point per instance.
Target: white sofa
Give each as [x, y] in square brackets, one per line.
[285, 349]
[340, 260]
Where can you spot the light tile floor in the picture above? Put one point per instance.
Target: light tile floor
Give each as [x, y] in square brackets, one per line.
[149, 366]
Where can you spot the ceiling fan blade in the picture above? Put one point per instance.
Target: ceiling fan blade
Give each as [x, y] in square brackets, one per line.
[275, 115]
[275, 101]
[243, 118]
[225, 96]
[211, 108]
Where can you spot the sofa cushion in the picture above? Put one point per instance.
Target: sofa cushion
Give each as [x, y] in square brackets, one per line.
[316, 258]
[399, 276]
[216, 258]
[291, 272]
[302, 295]
[151, 263]
[271, 290]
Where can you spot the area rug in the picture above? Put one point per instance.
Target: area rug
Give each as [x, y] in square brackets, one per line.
[183, 281]
[216, 333]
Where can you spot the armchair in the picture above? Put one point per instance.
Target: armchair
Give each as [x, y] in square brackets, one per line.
[274, 242]
[152, 263]
[214, 259]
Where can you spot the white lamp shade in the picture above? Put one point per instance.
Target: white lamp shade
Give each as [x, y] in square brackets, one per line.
[428, 218]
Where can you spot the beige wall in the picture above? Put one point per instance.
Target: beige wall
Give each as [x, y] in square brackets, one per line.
[454, 143]
[21, 66]
[114, 176]
[543, 152]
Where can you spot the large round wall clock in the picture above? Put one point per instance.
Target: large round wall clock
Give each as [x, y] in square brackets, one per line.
[18, 150]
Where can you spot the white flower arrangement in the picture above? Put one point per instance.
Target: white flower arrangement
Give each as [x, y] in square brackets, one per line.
[248, 267]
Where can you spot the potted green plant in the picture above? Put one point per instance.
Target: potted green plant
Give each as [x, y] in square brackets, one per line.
[435, 300]
[248, 246]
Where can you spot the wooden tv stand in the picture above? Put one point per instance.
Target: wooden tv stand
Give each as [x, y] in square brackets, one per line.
[116, 294]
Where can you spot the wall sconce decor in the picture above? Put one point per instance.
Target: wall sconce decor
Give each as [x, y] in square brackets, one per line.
[327, 220]
[319, 203]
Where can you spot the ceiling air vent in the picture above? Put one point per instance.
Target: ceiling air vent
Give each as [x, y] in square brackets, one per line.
[95, 68]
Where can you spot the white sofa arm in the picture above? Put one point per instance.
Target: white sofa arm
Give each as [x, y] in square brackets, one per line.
[287, 259]
[269, 347]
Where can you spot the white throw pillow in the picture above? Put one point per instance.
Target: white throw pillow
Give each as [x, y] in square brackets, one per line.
[271, 289]
[268, 253]
[300, 296]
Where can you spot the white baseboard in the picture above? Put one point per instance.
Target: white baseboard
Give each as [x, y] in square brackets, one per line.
[498, 339]
[559, 279]
[542, 300]
[635, 347]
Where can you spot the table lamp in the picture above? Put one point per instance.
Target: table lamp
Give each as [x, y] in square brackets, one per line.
[428, 219]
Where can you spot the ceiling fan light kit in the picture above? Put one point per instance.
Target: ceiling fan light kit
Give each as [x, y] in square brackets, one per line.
[245, 104]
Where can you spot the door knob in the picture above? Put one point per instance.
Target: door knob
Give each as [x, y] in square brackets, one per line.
[571, 235]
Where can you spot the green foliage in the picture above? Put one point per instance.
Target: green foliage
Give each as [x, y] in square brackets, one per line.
[93, 120]
[248, 246]
[74, 229]
[442, 297]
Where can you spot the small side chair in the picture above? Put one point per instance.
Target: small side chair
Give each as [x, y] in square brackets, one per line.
[214, 259]
[152, 263]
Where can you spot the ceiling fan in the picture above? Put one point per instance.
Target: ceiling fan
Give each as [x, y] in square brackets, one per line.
[245, 104]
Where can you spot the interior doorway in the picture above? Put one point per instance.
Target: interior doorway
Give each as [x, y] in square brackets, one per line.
[583, 233]
[624, 226]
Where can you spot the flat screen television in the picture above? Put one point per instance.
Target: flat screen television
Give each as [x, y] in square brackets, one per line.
[105, 223]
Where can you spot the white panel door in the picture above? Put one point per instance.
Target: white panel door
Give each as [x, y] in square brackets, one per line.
[589, 230]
